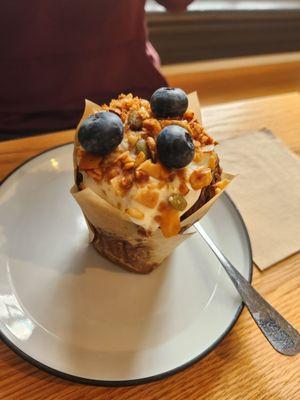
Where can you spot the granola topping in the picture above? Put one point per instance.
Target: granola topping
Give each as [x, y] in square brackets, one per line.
[133, 180]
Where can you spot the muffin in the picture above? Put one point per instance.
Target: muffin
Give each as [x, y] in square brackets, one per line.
[144, 172]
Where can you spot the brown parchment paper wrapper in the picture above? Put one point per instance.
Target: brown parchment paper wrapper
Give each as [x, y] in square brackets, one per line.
[115, 236]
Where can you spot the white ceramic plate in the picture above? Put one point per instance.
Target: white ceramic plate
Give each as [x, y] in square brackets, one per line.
[69, 311]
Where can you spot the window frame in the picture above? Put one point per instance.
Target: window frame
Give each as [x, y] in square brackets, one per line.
[203, 35]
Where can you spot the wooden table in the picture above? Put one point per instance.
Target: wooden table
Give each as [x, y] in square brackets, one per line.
[243, 366]
[220, 81]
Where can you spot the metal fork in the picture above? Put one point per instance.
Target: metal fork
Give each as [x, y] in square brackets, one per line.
[280, 333]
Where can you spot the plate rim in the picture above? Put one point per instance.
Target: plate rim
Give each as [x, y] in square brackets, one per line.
[137, 381]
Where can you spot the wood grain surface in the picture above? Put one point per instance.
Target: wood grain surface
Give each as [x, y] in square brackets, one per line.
[243, 366]
[226, 80]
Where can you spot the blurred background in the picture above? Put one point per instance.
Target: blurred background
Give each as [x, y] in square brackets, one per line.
[229, 50]
[60, 52]
[212, 29]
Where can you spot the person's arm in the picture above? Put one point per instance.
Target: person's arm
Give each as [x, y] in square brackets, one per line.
[175, 5]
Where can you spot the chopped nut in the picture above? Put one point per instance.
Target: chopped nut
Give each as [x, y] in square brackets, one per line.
[184, 124]
[145, 103]
[183, 189]
[197, 156]
[145, 111]
[152, 147]
[151, 143]
[147, 197]
[222, 184]
[155, 170]
[112, 172]
[115, 182]
[141, 176]
[135, 213]
[123, 116]
[116, 111]
[105, 107]
[170, 222]
[129, 165]
[160, 185]
[152, 186]
[212, 161]
[126, 182]
[96, 174]
[132, 139]
[122, 156]
[204, 138]
[200, 178]
[152, 125]
[89, 161]
[196, 143]
[111, 158]
[162, 206]
[171, 176]
[197, 130]
[157, 219]
[188, 115]
[126, 159]
[115, 104]
[140, 159]
[207, 148]
[210, 140]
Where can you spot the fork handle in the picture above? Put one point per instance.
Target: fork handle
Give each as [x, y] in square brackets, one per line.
[279, 332]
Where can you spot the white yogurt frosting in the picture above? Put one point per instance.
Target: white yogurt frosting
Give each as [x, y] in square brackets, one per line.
[107, 191]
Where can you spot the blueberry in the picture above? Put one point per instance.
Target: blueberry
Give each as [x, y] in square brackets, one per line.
[101, 133]
[169, 102]
[175, 147]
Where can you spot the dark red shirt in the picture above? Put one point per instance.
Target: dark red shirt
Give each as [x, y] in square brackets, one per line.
[56, 53]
